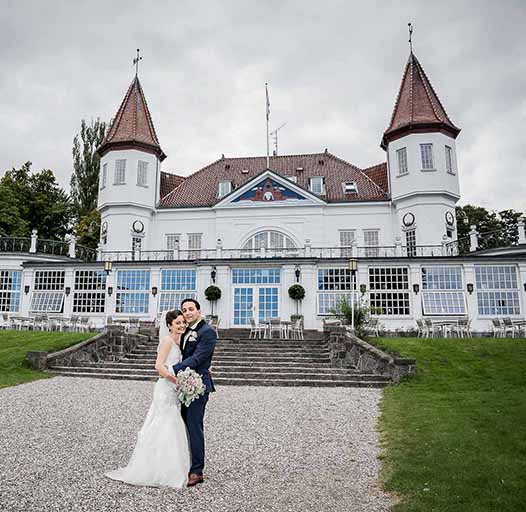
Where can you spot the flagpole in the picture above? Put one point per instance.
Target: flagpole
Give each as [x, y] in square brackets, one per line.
[268, 117]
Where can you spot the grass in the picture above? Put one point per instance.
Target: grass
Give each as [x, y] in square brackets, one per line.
[454, 435]
[14, 345]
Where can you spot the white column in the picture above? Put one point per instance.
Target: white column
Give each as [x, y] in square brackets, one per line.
[473, 239]
[155, 280]
[398, 246]
[416, 302]
[203, 281]
[522, 286]
[522, 234]
[224, 306]
[25, 299]
[111, 282]
[287, 305]
[471, 300]
[34, 240]
[69, 282]
[309, 281]
[72, 247]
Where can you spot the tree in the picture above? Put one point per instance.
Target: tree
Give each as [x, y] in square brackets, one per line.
[87, 230]
[86, 166]
[37, 202]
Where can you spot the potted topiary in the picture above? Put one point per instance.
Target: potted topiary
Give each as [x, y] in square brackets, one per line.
[213, 294]
[297, 293]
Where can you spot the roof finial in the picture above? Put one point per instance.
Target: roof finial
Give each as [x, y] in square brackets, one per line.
[410, 26]
[136, 62]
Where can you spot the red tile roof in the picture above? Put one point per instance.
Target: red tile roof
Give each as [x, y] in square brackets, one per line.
[200, 189]
[169, 182]
[417, 106]
[133, 125]
[378, 173]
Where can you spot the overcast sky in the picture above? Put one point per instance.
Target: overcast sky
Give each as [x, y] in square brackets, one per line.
[334, 70]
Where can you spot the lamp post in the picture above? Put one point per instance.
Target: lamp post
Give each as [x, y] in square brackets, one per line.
[353, 267]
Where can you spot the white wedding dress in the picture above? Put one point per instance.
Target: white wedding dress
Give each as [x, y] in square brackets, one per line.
[161, 456]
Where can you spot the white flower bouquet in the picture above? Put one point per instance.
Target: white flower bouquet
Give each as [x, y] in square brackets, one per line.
[189, 386]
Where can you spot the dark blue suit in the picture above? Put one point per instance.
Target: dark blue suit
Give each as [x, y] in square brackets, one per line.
[197, 354]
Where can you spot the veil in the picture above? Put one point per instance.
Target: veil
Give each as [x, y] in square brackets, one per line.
[163, 329]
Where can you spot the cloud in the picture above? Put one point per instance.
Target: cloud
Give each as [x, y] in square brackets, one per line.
[334, 70]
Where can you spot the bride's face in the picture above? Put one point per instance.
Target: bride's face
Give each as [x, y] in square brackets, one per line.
[178, 325]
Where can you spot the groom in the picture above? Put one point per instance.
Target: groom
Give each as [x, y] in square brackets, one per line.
[198, 344]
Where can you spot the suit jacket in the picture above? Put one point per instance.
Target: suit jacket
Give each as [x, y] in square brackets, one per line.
[198, 351]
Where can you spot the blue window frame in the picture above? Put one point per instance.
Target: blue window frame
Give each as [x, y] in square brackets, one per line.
[133, 291]
[243, 305]
[10, 283]
[497, 290]
[256, 276]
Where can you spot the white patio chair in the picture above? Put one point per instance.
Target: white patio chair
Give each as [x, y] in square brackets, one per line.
[422, 329]
[257, 330]
[275, 326]
[431, 328]
[497, 328]
[508, 326]
[5, 322]
[372, 327]
[296, 330]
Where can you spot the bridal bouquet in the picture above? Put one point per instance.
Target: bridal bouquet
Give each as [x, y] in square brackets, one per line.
[189, 386]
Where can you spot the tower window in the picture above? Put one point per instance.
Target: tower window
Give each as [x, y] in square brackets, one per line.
[350, 187]
[410, 242]
[449, 160]
[426, 151]
[402, 161]
[120, 172]
[142, 173]
[224, 188]
[104, 176]
[317, 185]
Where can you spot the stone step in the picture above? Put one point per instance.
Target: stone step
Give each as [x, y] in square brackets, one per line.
[102, 370]
[250, 358]
[249, 353]
[113, 376]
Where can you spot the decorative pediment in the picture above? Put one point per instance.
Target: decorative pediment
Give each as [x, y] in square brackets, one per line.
[270, 188]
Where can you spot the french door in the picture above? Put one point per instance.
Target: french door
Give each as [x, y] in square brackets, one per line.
[259, 302]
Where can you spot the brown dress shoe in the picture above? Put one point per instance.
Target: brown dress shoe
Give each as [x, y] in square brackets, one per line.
[194, 479]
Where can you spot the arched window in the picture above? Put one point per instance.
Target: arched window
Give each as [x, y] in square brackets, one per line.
[269, 240]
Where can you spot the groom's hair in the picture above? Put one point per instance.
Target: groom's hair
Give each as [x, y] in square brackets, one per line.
[171, 316]
[197, 305]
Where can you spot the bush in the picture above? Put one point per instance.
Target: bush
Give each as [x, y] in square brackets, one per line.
[343, 311]
[213, 293]
[297, 292]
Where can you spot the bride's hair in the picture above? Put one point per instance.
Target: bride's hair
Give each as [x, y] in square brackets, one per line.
[171, 316]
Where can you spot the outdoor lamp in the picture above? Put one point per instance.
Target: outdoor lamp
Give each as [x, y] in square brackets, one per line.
[213, 274]
[154, 290]
[297, 273]
[416, 288]
[110, 290]
[363, 289]
[107, 267]
[353, 266]
[26, 289]
[67, 290]
[525, 287]
[470, 288]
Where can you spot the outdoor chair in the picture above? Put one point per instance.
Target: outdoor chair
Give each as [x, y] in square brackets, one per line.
[214, 323]
[84, 324]
[508, 326]
[432, 329]
[5, 322]
[497, 328]
[422, 329]
[372, 327]
[296, 330]
[257, 330]
[275, 326]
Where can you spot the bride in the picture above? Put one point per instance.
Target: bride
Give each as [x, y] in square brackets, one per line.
[161, 456]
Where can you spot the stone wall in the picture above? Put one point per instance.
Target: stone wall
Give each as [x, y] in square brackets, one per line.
[349, 351]
[111, 345]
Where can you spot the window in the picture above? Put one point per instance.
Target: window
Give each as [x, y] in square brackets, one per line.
[136, 243]
[142, 173]
[347, 238]
[371, 240]
[133, 291]
[224, 188]
[120, 172]
[389, 293]
[172, 241]
[256, 276]
[402, 161]
[350, 187]
[410, 243]
[104, 176]
[48, 295]
[176, 285]
[10, 284]
[294, 179]
[89, 294]
[449, 160]
[270, 240]
[194, 245]
[317, 185]
[442, 291]
[334, 286]
[426, 151]
[497, 290]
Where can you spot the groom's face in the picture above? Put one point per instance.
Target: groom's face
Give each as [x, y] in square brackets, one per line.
[190, 312]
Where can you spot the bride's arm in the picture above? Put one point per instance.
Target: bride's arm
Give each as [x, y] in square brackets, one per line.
[164, 350]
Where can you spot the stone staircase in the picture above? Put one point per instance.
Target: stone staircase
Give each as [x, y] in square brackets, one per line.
[241, 361]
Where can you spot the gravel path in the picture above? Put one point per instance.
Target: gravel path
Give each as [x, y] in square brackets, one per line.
[268, 449]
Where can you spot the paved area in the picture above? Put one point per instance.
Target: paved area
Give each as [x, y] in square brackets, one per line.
[268, 449]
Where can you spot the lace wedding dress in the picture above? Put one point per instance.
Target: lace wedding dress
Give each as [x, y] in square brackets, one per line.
[161, 456]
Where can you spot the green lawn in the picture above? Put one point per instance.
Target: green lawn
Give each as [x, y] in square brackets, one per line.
[454, 435]
[14, 345]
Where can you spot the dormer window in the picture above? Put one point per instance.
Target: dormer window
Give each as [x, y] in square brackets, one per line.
[349, 187]
[225, 187]
[317, 185]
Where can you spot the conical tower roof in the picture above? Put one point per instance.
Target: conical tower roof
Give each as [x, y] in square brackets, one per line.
[417, 107]
[133, 127]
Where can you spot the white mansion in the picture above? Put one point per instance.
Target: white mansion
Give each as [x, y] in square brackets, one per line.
[254, 229]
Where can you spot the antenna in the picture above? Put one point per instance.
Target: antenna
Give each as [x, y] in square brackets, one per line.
[410, 26]
[275, 137]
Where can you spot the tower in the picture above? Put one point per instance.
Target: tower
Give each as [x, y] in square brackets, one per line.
[421, 156]
[129, 175]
